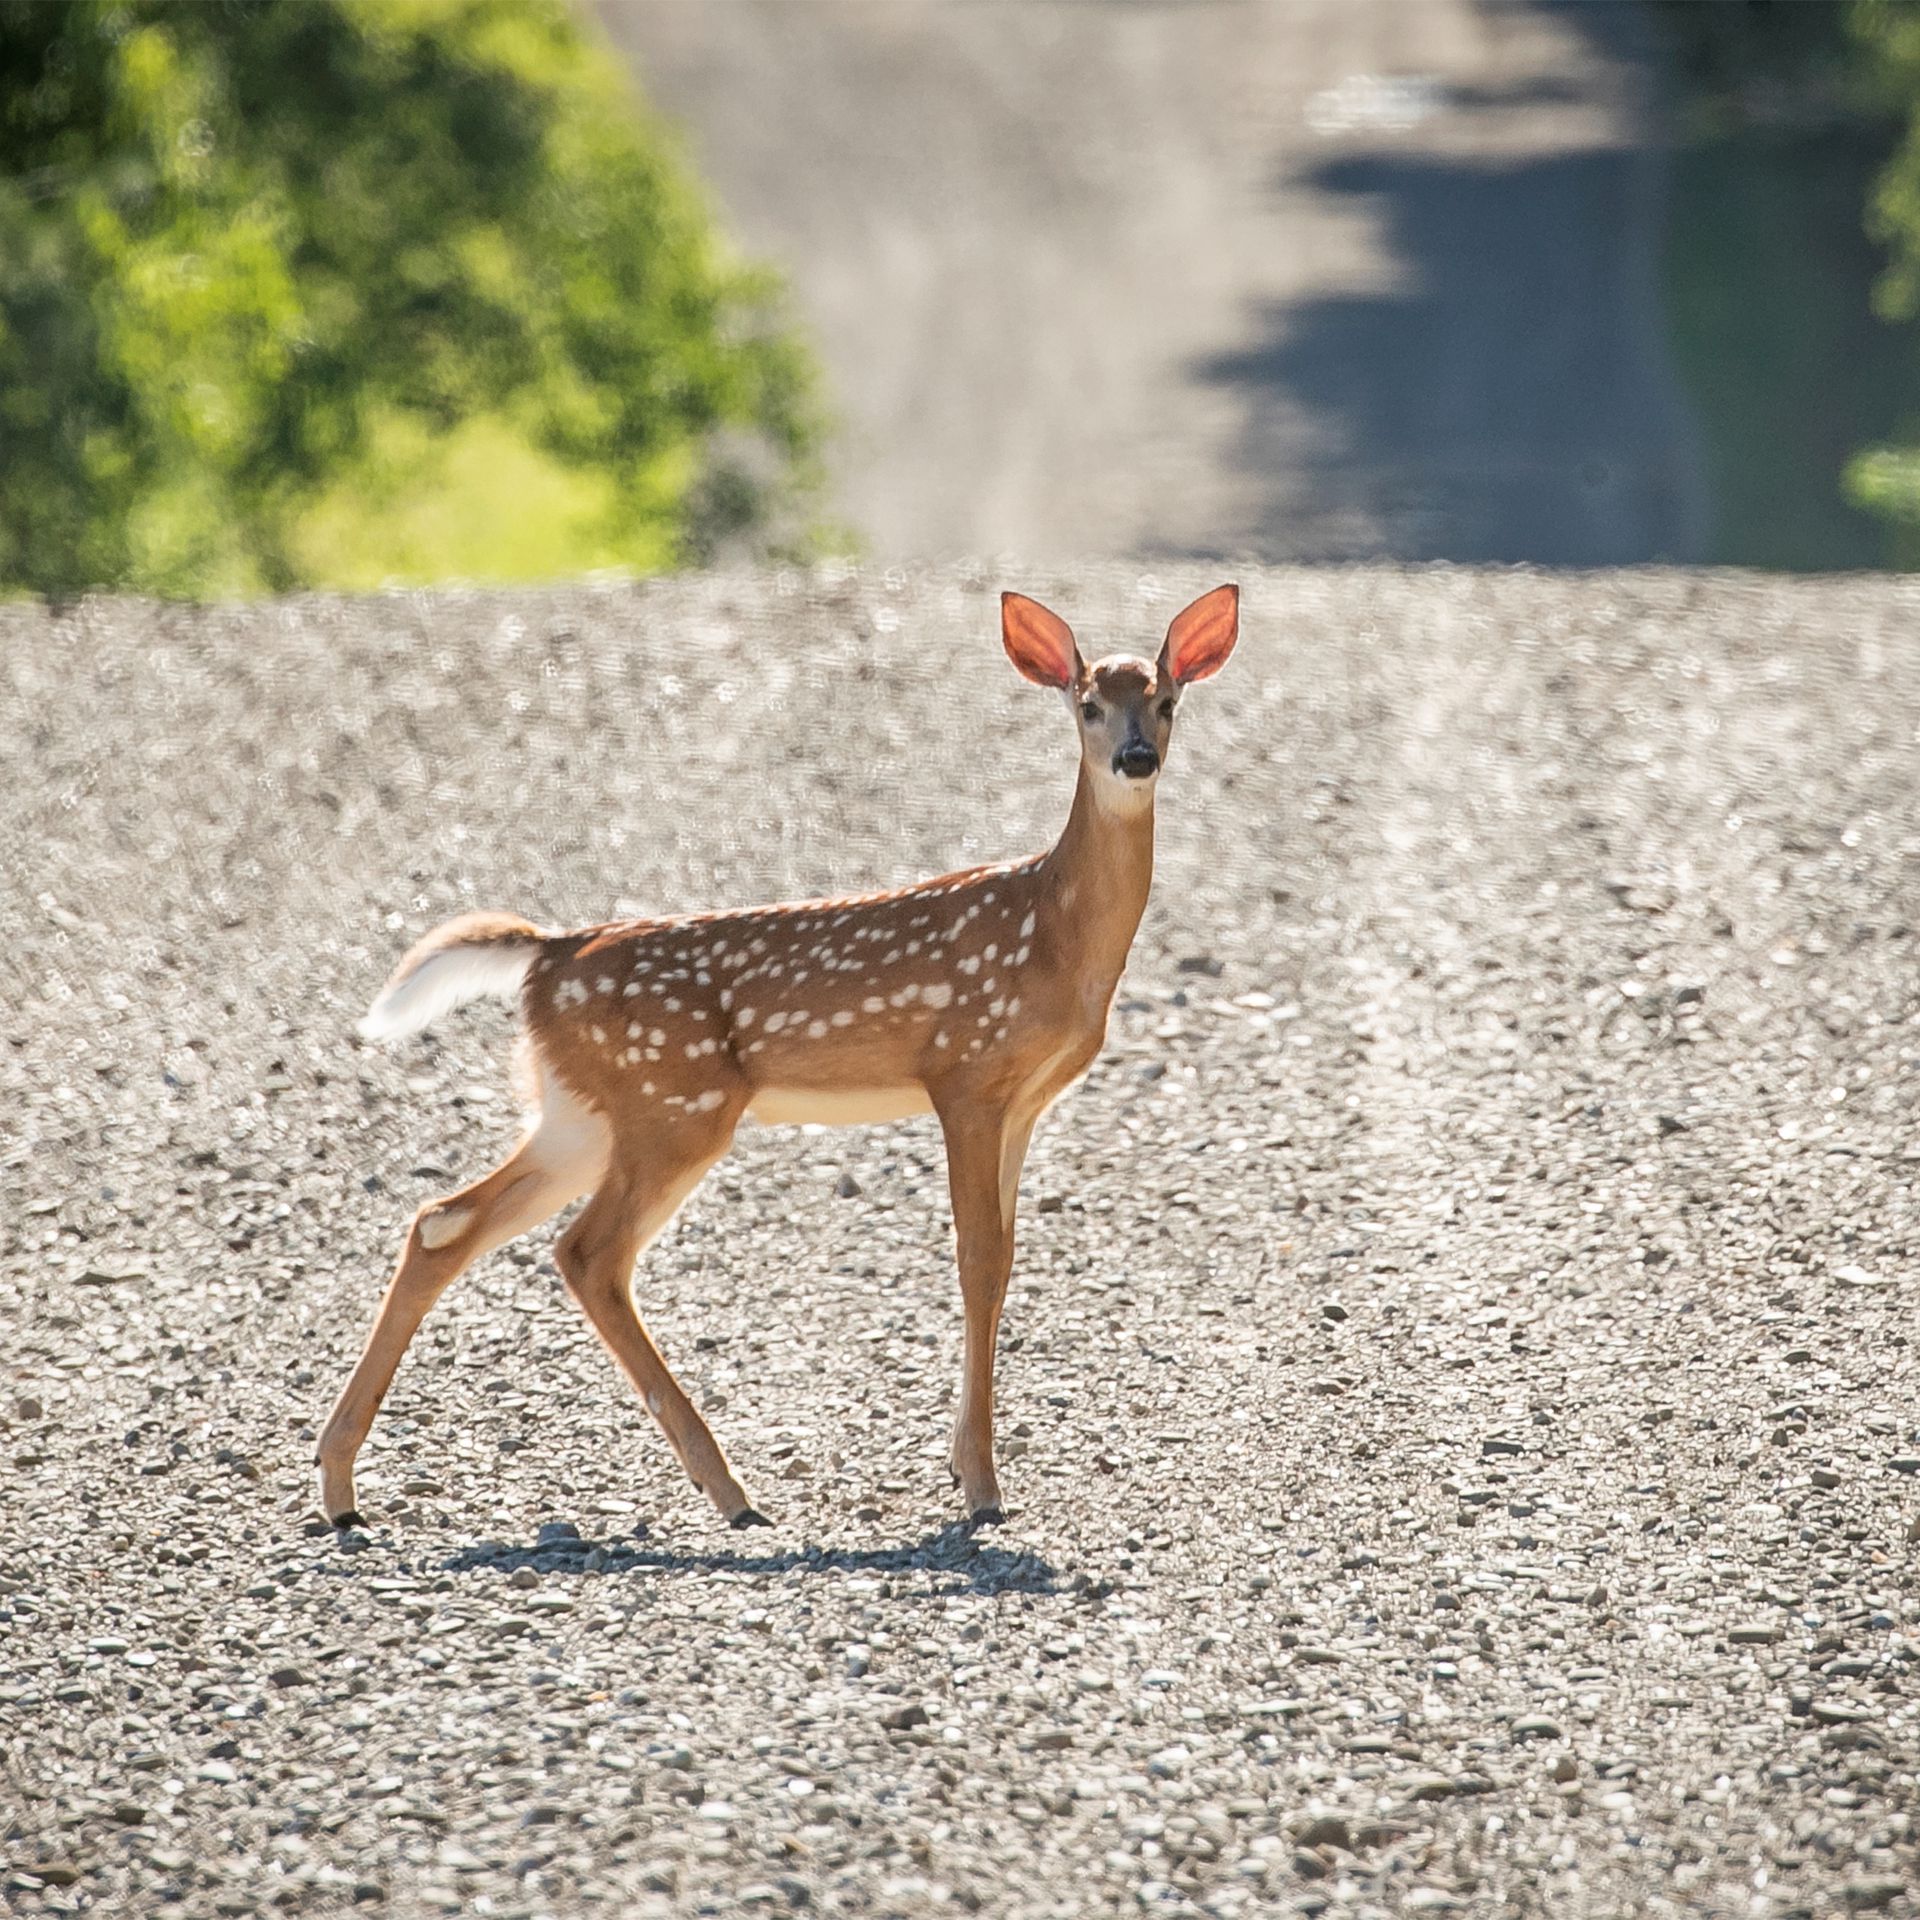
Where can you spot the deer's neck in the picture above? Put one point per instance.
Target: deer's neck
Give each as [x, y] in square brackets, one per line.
[1098, 876]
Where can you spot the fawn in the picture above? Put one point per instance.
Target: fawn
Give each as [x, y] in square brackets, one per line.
[978, 996]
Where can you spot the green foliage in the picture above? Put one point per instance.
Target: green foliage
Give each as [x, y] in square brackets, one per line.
[1768, 280]
[331, 291]
[1746, 59]
[1787, 324]
[1886, 479]
[1890, 32]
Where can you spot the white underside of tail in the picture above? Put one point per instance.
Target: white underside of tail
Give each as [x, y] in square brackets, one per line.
[446, 980]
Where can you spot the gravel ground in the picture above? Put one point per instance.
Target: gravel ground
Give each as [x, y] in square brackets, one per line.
[1462, 1447]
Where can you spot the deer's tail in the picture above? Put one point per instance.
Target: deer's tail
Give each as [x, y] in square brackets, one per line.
[468, 958]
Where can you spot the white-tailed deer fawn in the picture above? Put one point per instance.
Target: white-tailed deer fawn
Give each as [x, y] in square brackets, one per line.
[979, 997]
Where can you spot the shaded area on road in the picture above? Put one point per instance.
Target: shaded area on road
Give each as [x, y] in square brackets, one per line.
[1557, 449]
[1299, 281]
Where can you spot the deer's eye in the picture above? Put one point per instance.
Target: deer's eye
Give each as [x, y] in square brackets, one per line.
[1090, 710]
[1166, 709]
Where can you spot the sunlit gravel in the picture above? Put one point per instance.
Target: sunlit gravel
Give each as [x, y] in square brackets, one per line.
[1458, 1392]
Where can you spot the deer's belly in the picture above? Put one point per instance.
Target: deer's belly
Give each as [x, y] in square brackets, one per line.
[813, 1106]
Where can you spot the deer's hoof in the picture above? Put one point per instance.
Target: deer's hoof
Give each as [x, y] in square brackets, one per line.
[351, 1518]
[986, 1517]
[749, 1517]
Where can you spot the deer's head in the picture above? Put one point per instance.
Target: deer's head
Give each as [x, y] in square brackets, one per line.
[1122, 705]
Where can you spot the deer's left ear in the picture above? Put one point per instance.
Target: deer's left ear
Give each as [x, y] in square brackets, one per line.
[1201, 637]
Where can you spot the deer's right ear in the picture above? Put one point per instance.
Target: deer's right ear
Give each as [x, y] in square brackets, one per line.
[1039, 642]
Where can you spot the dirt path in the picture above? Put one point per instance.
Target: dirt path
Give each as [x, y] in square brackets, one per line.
[1459, 1384]
[1323, 279]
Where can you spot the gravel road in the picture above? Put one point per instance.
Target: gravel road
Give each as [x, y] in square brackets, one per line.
[1287, 279]
[1459, 1372]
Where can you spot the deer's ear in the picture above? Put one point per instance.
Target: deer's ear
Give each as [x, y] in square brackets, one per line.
[1202, 636]
[1039, 642]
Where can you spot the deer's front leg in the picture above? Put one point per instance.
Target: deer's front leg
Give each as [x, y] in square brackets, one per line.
[985, 1152]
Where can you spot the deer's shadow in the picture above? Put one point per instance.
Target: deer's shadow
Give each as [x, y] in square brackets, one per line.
[956, 1558]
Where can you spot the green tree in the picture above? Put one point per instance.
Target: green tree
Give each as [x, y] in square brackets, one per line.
[1886, 479]
[326, 291]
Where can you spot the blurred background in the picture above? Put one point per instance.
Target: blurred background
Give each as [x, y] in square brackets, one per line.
[361, 292]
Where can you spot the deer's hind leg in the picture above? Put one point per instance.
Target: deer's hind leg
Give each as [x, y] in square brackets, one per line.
[559, 1160]
[652, 1173]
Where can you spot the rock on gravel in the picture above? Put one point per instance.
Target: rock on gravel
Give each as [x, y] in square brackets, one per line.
[1567, 1571]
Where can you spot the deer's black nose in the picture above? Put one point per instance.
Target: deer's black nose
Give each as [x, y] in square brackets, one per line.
[1136, 760]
